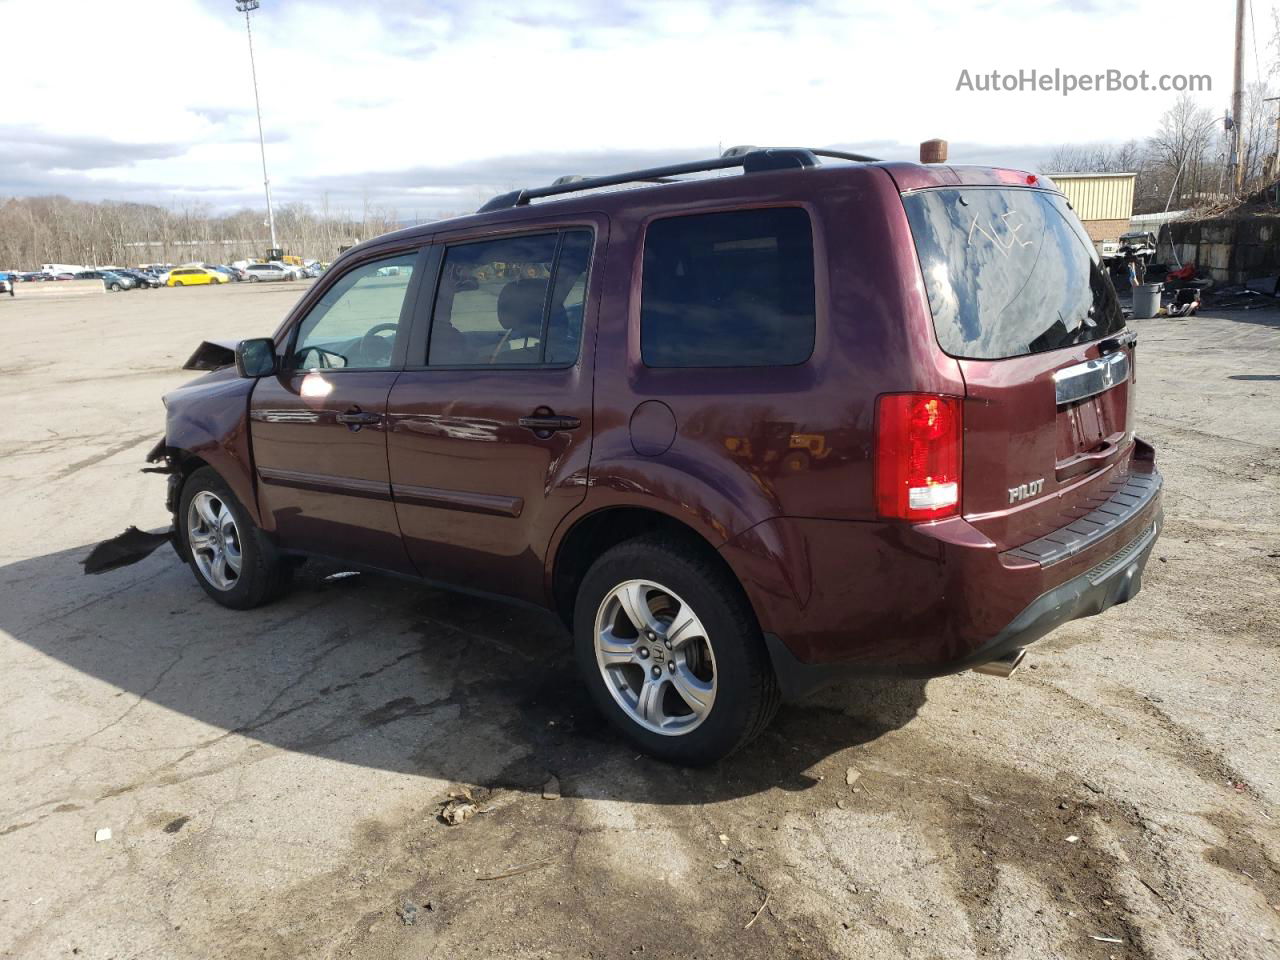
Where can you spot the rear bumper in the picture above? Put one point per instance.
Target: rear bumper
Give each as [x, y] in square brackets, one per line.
[933, 599]
[1114, 581]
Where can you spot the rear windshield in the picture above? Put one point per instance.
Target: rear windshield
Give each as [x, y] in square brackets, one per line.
[1009, 272]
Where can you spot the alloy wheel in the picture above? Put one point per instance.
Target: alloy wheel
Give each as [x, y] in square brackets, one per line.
[214, 540]
[655, 657]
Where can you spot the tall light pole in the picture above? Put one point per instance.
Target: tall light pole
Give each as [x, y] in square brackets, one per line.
[245, 6]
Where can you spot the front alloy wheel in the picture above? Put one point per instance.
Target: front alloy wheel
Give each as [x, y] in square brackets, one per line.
[655, 657]
[214, 540]
[232, 559]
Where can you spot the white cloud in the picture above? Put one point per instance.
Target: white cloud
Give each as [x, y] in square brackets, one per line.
[356, 95]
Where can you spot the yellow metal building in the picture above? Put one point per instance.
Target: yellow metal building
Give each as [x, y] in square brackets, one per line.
[1103, 201]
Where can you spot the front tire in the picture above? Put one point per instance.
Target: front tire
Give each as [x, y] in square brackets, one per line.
[177, 283]
[232, 559]
[672, 653]
[254, 278]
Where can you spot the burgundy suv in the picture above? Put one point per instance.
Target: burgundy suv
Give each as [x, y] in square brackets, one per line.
[742, 432]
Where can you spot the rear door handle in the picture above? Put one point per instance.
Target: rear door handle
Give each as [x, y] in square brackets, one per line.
[549, 423]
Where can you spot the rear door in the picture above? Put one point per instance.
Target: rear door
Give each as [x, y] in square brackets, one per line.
[1022, 301]
[491, 433]
[319, 428]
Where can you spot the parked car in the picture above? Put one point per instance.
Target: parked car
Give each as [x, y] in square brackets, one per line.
[110, 279]
[268, 271]
[230, 273]
[194, 276]
[481, 402]
[7, 280]
[141, 278]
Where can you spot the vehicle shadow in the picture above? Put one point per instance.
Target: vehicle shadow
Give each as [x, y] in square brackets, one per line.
[386, 674]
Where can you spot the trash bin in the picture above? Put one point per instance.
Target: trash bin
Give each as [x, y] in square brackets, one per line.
[1146, 300]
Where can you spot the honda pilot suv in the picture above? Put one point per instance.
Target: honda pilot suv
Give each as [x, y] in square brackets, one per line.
[744, 432]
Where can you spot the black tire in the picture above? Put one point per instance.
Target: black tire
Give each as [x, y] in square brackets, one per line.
[177, 283]
[115, 287]
[264, 574]
[747, 694]
[254, 278]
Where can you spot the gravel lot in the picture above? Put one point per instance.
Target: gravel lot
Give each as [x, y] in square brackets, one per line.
[272, 779]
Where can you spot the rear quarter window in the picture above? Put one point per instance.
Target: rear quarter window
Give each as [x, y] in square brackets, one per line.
[730, 289]
[1009, 272]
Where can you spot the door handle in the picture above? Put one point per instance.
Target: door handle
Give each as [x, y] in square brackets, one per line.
[549, 423]
[355, 418]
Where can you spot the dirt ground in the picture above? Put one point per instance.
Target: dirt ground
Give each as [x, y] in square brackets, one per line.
[272, 779]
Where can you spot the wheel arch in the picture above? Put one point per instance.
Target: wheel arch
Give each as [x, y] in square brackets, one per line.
[591, 534]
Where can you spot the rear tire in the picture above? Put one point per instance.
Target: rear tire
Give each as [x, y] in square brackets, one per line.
[232, 559]
[714, 689]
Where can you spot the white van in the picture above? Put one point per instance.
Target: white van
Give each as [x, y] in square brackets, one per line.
[52, 268]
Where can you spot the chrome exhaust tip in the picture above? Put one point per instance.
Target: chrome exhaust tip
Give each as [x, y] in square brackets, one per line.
[1004, 666]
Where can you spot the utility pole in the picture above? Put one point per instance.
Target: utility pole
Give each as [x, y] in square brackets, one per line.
[245, 7]
[1237, 107]
[1273, 161]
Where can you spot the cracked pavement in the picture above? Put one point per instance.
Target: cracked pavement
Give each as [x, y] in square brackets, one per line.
[272, 779]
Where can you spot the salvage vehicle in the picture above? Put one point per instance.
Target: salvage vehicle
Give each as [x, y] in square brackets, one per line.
[258, 272]
[744, 434]
[1137, 243]
[194, 276]
[110, 279]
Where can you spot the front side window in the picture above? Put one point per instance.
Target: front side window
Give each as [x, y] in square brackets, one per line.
[512, 301]
[728, 290]
[356, 322]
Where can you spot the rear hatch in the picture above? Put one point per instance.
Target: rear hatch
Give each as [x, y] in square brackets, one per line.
[1021, 300]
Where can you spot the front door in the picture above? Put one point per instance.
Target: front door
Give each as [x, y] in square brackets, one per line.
[319, 428]
[490, 437]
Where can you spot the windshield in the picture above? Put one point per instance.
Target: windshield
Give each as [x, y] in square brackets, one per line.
[1009, 272]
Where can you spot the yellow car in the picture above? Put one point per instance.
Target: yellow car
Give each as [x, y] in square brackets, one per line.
[194, 276]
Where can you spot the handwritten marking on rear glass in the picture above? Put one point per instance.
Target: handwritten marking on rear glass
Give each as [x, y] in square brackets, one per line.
[1011, 227]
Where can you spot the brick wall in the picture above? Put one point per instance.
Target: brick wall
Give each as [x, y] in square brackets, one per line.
[1100, 230]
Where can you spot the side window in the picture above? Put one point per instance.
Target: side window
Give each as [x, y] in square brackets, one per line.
[355, 323]
[513, 301]
[728, 290]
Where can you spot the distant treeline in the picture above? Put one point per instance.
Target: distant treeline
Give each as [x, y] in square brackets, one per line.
[55, 229]
[1185, 164]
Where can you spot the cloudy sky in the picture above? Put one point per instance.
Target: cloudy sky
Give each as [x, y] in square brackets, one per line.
[427, 108]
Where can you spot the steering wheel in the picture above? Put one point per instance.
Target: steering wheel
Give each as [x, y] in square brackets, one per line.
[374, 349]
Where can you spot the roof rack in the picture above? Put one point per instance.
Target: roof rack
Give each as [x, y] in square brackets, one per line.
[750, 159]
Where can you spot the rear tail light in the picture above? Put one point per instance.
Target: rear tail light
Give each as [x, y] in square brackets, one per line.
[918, 447]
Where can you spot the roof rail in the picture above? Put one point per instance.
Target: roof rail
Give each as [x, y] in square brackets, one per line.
[750, 159]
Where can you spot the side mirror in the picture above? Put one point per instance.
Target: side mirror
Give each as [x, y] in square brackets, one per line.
[256, 358]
